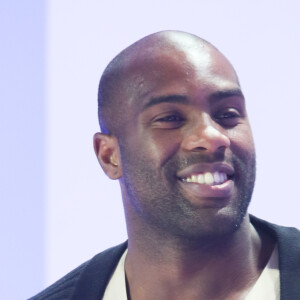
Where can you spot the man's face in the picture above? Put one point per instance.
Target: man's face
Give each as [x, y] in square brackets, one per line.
[186, 146]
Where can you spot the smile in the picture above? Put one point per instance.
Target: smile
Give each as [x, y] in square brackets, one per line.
[208, 178]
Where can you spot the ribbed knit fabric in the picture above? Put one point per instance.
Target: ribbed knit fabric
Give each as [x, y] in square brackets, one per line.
[86, 282]
[89, 281]
[62, 289]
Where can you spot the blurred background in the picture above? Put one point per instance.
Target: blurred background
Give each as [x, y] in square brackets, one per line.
[57, 207]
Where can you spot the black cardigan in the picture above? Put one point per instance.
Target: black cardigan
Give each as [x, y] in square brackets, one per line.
[89, 280]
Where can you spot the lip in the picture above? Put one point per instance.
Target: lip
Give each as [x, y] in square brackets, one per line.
[206, 167]
[207, 193]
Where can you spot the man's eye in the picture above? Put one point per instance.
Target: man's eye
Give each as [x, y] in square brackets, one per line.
[168, 121]
[170, 118]
[229, 118]
[229, 114]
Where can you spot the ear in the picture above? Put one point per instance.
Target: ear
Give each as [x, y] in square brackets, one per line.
[108, 153]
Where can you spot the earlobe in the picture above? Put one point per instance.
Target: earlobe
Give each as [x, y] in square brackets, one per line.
[108, 153]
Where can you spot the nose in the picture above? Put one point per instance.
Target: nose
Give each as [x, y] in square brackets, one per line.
[206, 135]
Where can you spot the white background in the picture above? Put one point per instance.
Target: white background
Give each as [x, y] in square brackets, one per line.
[83, 209]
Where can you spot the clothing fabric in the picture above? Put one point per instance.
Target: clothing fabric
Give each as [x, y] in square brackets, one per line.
[266, 287]
[268, 284]
[116, 288]
[89, 280]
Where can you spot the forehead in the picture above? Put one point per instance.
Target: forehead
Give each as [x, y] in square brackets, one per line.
[182, 66]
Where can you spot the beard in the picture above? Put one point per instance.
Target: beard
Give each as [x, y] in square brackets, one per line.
[157, 199]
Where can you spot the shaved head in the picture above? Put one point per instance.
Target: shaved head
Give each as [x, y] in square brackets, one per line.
[124, 72]
[168, 103]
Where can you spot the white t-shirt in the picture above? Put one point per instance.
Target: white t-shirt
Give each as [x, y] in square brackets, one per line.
[267, 287]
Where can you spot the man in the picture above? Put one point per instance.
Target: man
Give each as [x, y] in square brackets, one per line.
[175, 133]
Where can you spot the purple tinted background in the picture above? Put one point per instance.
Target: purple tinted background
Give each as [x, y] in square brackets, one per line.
[58, 209]
[22, 130]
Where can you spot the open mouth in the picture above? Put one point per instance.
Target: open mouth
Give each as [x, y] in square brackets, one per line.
[207, 178]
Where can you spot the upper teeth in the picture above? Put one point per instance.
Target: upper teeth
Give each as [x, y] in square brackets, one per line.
[208, 178]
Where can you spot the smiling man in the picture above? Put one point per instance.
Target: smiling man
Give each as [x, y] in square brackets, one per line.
[176, 134]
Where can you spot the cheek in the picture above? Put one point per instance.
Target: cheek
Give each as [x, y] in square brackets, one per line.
[163, 145]
[242, 143]
[153, 149]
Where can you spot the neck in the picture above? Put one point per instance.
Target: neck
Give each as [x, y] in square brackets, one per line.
[172, 268]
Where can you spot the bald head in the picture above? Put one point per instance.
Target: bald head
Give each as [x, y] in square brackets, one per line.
[127, 71]
[172, 107]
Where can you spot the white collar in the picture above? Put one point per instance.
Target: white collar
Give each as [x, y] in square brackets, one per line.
[268, 284]
[266, 287]
[116, 288]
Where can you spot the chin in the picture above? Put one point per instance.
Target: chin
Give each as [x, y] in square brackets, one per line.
[207, 224]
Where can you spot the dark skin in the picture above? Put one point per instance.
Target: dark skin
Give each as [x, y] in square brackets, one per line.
[184, 114]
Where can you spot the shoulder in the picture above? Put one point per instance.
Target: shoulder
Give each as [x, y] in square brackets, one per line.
[288, 241]
[61, 289]
[281, 233]
[95, 273]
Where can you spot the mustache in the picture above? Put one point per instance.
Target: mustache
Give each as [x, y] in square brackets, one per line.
[181, 163]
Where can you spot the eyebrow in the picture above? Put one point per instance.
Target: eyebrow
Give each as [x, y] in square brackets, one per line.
[166, 99]
[183, 99]
[226, 94]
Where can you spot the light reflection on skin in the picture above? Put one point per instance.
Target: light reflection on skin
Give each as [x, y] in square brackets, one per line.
[180, 110]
